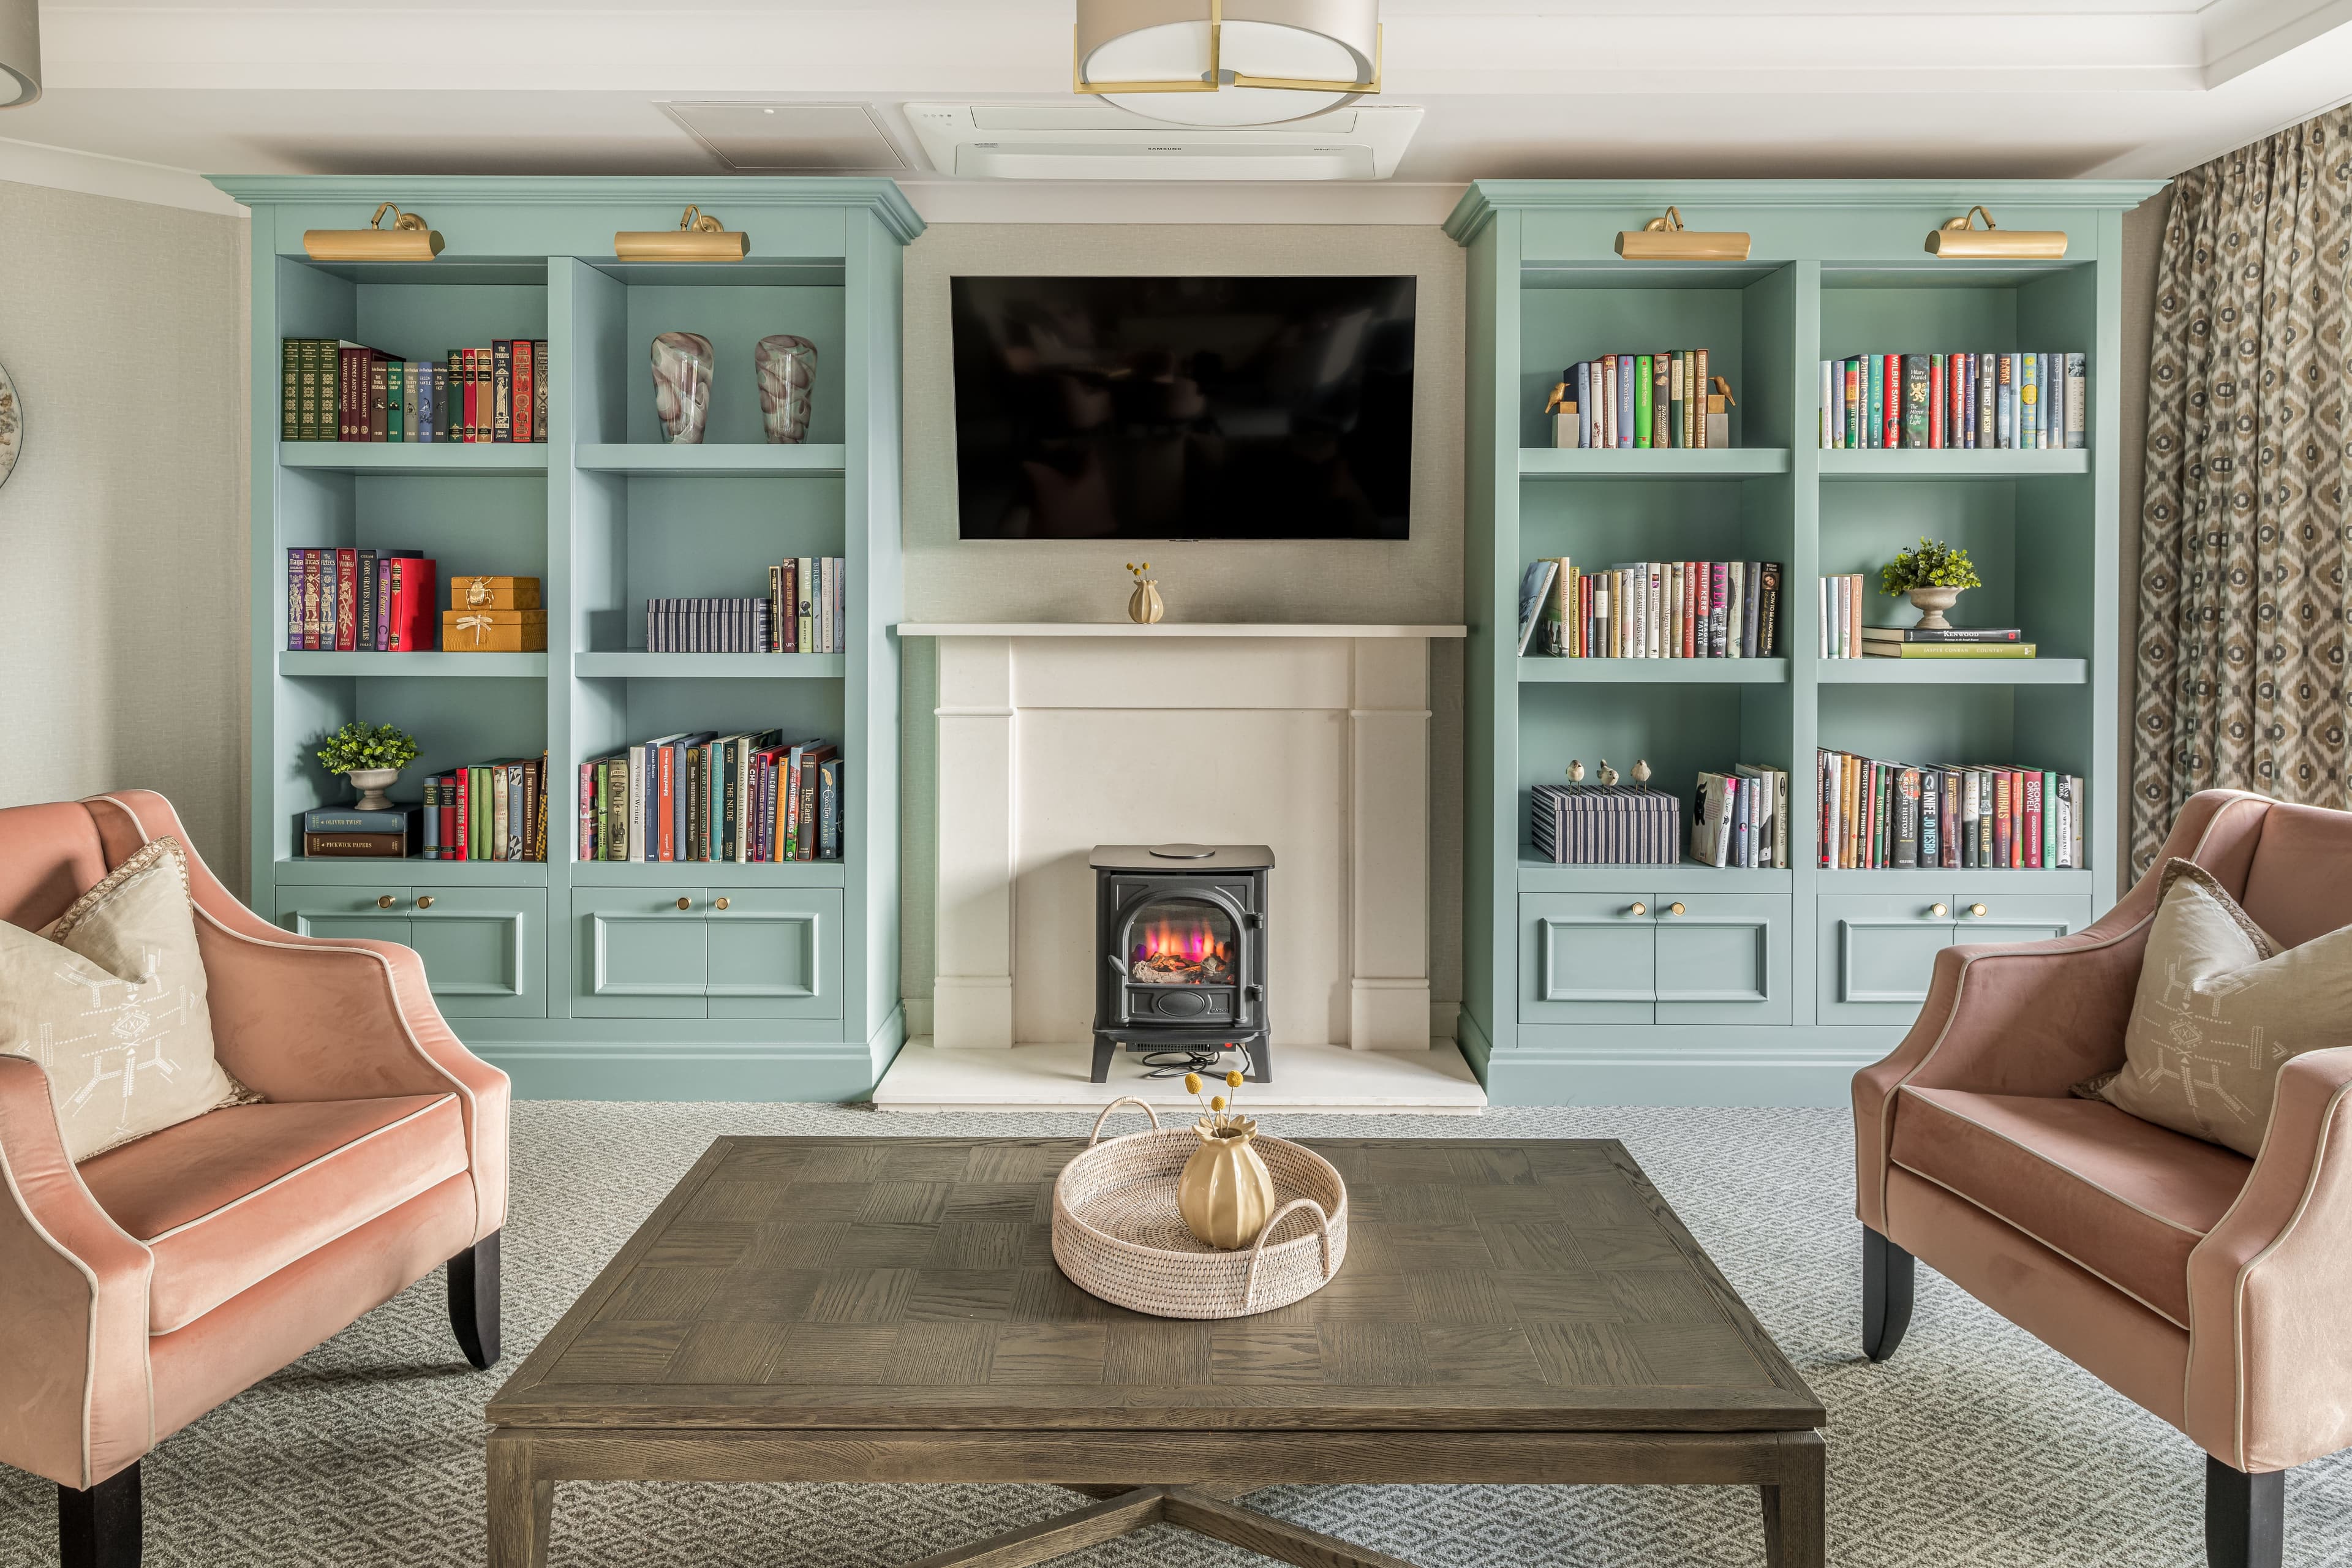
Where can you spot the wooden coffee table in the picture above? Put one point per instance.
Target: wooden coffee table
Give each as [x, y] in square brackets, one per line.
[888, 1310]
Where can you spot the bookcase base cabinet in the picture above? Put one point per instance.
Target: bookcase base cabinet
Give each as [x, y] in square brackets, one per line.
[1652, 956]
[1876, 952]
[707, 952]
[485, 949]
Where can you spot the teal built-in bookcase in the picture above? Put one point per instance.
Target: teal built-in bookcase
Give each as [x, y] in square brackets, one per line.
[596, 979]
[1767, 986]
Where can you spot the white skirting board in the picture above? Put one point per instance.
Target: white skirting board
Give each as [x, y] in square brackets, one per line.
[1305, 1077]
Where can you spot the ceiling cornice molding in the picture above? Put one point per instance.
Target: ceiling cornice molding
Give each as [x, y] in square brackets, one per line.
[123, 179]
[882, 197]
[1480, 203]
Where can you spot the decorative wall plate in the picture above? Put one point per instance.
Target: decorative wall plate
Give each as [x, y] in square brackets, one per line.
[12, 424]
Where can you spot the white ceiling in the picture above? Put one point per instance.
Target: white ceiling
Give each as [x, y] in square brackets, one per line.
[140, 93]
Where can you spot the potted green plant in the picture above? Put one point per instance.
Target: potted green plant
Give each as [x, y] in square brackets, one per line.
[1933, 576]
[370, 756]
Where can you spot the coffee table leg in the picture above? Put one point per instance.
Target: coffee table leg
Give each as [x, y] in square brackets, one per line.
[519, 1505]
[1796, 1509]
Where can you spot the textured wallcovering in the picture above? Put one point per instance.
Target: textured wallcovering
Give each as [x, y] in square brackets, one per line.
[950, 580]
[123, 585]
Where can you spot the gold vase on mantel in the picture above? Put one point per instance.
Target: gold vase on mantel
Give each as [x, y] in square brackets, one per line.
[1224, 1193]
[1144, 605]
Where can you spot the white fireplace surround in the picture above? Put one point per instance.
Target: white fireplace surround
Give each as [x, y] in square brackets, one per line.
[1055, 737]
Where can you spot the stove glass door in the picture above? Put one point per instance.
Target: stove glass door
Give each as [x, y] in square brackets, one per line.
[1182, 941]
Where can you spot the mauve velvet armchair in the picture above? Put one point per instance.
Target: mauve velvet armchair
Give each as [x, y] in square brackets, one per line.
[2208, 1289]
[155, 1280]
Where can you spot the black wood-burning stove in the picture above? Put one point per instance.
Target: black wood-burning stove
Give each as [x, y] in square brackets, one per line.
[1181, 930]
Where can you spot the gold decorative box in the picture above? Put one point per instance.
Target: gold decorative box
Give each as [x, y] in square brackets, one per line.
[494, 593]
[476, 630]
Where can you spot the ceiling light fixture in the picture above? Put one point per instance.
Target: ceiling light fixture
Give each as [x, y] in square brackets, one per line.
[20, 52]
[1665, 239]
[1961, 241]
[410, 238]
[698, 237]
[1227, 62]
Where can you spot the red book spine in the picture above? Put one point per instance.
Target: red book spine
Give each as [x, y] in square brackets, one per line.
[1956, 381]
[424, 599]
[664, 803]
[461, 816]
[1935, 391]
[521, 376]
[2032, 784]
[347, 600]
[351, 408]
[1890, 376]
[1690, 607]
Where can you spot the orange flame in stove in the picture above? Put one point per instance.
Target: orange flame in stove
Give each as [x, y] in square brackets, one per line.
[1191, 940]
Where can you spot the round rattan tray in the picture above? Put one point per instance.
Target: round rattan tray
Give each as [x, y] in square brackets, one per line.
[1118, 1233]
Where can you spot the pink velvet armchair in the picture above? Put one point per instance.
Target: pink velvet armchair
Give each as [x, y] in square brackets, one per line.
[2206, 1288]
[157, 1279]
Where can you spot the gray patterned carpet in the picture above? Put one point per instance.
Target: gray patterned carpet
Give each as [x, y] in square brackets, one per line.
[1975, 1448]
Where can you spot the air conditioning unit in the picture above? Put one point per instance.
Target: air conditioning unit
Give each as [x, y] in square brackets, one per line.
[1090, 141]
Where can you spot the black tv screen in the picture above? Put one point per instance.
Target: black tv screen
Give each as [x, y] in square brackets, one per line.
[1183, 407]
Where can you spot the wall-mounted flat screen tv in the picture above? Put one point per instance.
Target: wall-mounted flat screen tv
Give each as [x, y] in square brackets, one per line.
[1183, 407]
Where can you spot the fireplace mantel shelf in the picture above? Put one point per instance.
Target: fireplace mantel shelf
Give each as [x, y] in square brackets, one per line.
[1167, 630]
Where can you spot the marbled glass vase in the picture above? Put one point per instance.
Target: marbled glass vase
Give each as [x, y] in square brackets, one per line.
[683, 367]
[787, 370]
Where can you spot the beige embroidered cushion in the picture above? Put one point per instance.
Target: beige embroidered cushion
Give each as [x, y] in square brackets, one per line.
[2220, 1009]
[110, 999]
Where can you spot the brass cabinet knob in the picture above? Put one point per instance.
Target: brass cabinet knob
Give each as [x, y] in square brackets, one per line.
[386, 901]
[425, 903]
[1978, 910]
[718, 903]
[1938, 910]
[1639, 909]
[1673, 908]
[685, 903]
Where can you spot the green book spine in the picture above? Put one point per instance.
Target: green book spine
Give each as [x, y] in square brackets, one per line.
[1915, 401]
[289, 396]
[2049, 821]
[1661, 406]
[1642, 399]
[395, 381]
[1675, 405]
[1873, 648]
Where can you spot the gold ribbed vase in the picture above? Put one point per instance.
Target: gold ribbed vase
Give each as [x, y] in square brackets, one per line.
[1224, 1193]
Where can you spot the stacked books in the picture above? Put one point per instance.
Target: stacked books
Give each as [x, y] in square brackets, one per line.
[806, 611]
[1651, 609]
[1948, 642]
[1635, 400]
[2013, 401]
[751, 797]
[1604, 824]
[1877, 815]
[342, 833]
[1741, 818]
[347, 601]
[332, 390]
[491, 811]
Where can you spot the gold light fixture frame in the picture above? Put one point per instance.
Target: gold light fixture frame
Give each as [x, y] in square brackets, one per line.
[410, 238]
[1210, 81]
[1958, 238]
[1663, 238]
[698, 237]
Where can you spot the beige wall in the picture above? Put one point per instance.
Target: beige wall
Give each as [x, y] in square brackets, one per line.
[1419, 580]
[123, 582]
[2143, 247]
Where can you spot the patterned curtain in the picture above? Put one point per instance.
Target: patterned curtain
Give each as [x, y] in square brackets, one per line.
[2244, 532]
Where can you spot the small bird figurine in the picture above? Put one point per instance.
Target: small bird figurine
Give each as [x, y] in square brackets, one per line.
[1575, 770]
[1607, 773]
[1641, 769]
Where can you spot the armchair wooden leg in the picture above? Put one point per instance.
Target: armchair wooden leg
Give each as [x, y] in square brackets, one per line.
[1886, 1280]
[2245, 1517]
[474, 1301]
[100, 1528]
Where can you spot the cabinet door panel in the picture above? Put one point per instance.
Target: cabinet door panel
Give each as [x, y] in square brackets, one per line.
[351, 914]
[639, 956]
[1878, 953]
[485, 950]
[2009, 918]
[776, 953]
[1586, 958]
[1724, 959]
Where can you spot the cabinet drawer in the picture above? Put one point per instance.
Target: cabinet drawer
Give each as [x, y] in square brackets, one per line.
[1878, 953]
[1586, 958]
[641, 953]
[774, 954]
[707, 952]
[371, 913]
[1722, 958]
[485, 949]
[2010, 918]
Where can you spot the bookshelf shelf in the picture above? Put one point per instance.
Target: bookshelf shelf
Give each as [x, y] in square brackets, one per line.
[406, 666]
[728, 460]
[639, 666]
[1709, 463]
[1656, 671]
[793, 994]
[1842, 273]
[1952, 672]
[440, 458]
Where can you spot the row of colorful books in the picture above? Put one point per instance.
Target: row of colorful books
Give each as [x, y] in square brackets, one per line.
[333, 390]
[1961, 401]
[1640, 401]
[1842, 635]
[1879, 814]
[748, 796]
[346, 601]
[491, 811]
[1651, 609]
[1741, 818]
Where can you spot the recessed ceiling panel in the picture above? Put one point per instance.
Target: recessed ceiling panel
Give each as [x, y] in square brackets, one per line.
[790, 138]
